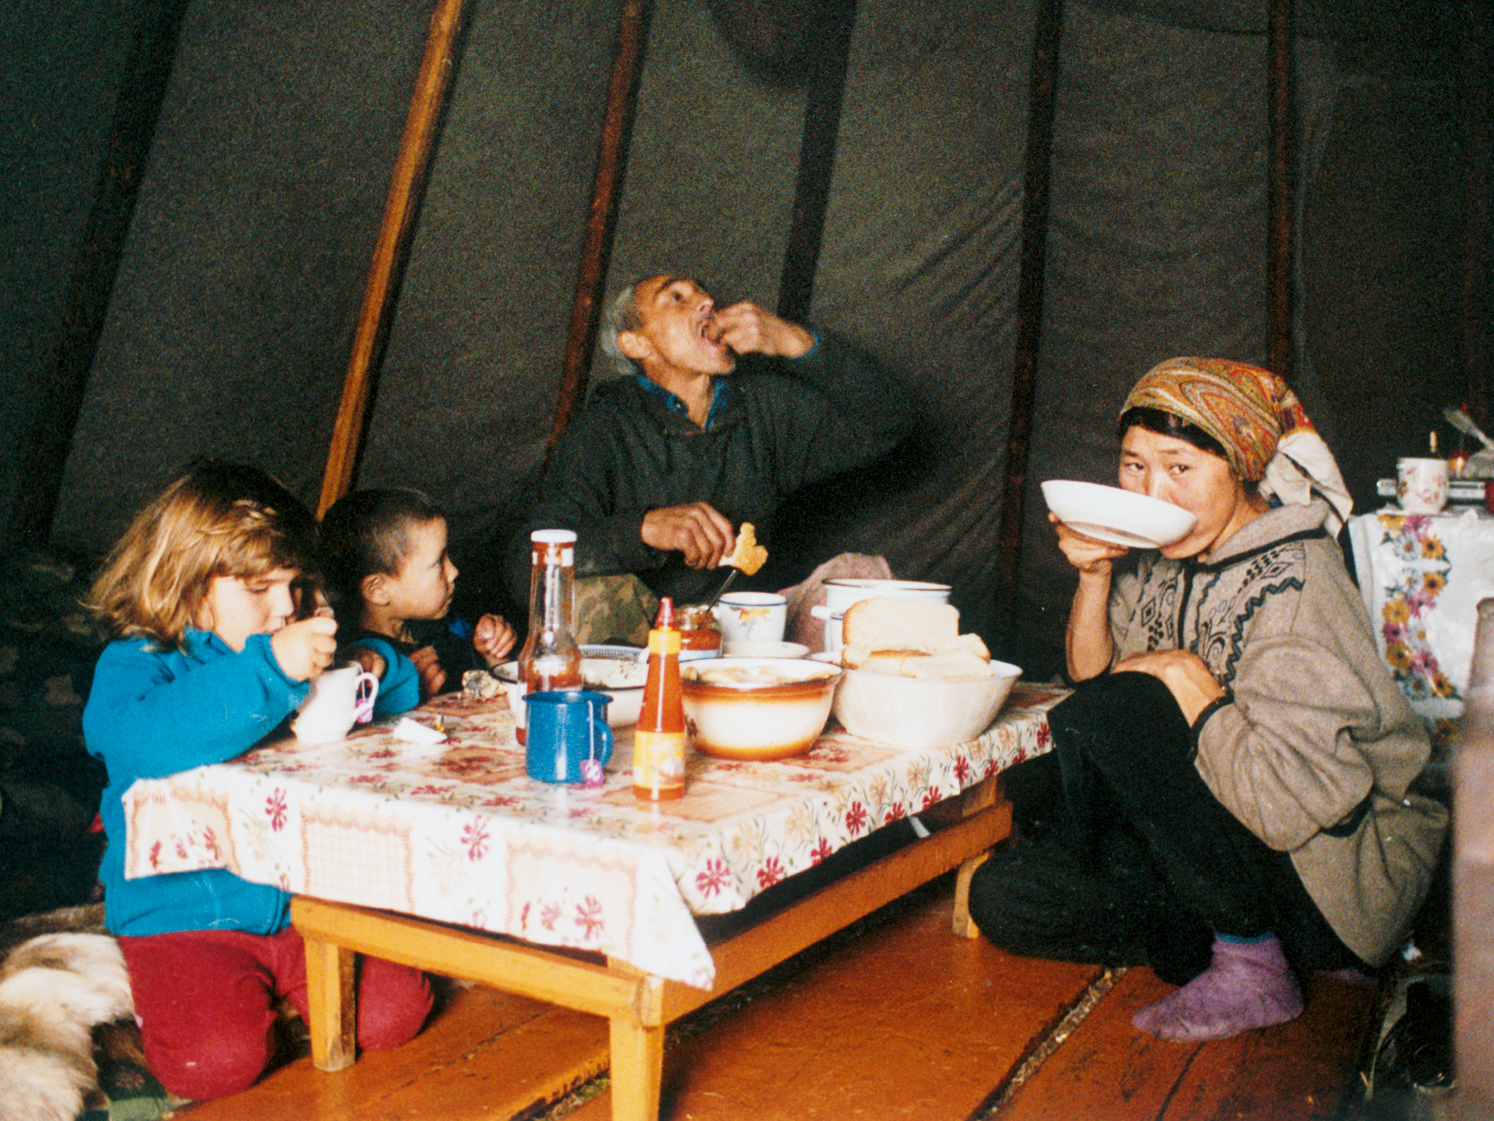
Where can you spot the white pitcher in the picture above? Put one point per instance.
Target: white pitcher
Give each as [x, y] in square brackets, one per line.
[338, 699]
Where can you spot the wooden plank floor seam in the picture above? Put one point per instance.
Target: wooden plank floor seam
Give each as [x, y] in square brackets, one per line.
[1048, 1042]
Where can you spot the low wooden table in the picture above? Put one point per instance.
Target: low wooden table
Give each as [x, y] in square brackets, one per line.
[422, 854]
[638, 1006]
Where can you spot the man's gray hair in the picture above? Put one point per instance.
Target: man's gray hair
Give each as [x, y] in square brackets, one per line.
[622, 315]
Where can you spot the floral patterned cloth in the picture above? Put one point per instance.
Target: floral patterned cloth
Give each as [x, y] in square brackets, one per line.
[1422, 577]
[457, 832]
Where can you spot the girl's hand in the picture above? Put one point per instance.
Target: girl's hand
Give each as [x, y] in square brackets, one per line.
[305, 648]
[493, 638]
[1183, 672]
[432, 676]
[1089, 556]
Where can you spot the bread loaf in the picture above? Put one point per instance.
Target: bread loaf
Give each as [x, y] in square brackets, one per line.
[911, 638]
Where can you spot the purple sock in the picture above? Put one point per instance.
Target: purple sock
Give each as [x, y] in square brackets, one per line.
[1248, 985]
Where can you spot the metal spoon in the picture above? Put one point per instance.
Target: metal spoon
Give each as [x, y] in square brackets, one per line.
[1464, 423]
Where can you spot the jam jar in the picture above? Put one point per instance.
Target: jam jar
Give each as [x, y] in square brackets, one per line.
[699, 635]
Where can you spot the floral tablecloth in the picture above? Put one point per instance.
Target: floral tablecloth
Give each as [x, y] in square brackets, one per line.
[1422, 577]
[457, 832]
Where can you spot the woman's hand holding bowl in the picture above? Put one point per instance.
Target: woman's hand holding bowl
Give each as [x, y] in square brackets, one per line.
[1089, 556]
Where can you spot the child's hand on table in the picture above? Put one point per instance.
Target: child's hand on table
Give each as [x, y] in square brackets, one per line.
[305, 648]
[428, 665]
[493, 638]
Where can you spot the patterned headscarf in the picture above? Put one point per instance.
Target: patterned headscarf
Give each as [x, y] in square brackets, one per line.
[1256, 418]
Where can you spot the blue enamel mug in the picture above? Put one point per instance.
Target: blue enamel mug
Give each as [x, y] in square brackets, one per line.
[567, 729]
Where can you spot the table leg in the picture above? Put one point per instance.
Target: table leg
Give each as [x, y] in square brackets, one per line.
[637, 1068]
[979, 797]
[333, 1004]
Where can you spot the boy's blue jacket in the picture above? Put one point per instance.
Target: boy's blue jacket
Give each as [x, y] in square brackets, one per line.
[154, 712]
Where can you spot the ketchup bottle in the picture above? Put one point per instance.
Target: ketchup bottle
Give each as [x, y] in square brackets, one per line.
[659, 739]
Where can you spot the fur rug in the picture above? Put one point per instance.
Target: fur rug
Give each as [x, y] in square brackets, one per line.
[54, 989]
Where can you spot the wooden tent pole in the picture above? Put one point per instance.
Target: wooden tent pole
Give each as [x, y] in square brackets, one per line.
[596, 250]
[1042, 100]
[85, 302]
[829, 59]
[400, 208]
[1476, 291]
[1281, 211]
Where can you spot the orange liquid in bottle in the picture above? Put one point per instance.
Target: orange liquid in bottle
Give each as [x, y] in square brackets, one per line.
[659, 739]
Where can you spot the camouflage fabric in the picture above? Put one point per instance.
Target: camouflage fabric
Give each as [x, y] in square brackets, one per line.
[49, 785]
[614, 610]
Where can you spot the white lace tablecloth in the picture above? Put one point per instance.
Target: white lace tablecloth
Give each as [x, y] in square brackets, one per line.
[457, 832]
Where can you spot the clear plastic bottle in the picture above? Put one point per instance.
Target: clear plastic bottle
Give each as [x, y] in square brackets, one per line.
[659, 738]
[551, 658]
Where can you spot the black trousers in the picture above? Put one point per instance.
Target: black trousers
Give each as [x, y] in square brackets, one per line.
[1123, 856]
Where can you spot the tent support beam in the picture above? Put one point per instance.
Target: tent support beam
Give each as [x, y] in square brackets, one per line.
[830, 58]
[401, 207]
[86, 300]
[1042, 101]
[601, 225]
[1281, 212]
[1476, 302]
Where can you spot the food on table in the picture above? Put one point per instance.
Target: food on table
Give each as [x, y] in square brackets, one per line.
[747, 554]
[748, 675]
[611, 673]
[911, 638]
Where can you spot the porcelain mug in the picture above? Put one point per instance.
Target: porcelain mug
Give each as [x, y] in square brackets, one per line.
[338, 699]
[1421, 485]
[567, 738]
[751, 617]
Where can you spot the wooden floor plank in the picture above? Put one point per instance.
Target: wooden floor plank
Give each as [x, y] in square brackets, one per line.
[485, 1056]
[900, 1019]
[1109, 1071]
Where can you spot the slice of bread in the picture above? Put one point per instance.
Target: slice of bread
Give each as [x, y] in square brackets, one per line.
[747, 554]
[912, 638]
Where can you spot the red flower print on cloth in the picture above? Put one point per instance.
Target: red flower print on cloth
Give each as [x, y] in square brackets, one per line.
[475, 838]
[770, 873]
[275, 808]
[962, 769]
[856, 818]
[894, 812]
[713, 879]
[589, 918]
[820, 851]
[931, 796]
[549, 915]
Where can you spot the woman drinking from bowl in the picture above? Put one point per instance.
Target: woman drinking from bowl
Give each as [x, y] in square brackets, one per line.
[1229, 793]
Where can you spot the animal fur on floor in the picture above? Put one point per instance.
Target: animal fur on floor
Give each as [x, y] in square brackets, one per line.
[53, 990]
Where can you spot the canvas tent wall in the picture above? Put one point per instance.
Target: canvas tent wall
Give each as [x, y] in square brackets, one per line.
[230, 317]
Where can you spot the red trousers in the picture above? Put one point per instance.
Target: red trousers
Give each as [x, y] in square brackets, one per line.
[205, 999]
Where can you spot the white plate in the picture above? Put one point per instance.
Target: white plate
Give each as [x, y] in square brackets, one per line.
[1116, 516]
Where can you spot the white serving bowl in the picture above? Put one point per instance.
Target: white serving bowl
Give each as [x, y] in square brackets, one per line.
[618, 671]
[756, 708]
[1120, 517]
[764, 649]
[921, 711]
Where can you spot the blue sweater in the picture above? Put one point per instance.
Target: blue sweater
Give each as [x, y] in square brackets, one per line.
[153, 713]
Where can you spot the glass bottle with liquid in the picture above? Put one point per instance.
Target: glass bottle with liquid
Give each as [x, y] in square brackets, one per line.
[659, 738]
[551, 658]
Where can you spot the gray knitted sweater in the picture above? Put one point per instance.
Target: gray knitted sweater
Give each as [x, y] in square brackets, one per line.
[1315, 747]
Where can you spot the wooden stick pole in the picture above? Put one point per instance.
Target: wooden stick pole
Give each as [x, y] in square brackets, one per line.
[400, 208]
[1042, 101]
[1281, 209]
[596, 251]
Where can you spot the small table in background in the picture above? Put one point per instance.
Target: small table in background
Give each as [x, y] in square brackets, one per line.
[1422, 576]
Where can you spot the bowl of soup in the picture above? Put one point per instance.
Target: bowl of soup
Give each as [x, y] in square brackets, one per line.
[756, 709]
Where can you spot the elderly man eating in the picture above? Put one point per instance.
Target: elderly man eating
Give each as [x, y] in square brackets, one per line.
[722, 414]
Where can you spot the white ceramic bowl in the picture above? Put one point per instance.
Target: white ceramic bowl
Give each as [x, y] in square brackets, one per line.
[1121, 517]
[618, 671]
[756, 708]
[918, 711]
[765, 649]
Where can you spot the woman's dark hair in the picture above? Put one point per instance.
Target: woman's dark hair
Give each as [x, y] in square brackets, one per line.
[1169, 424]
